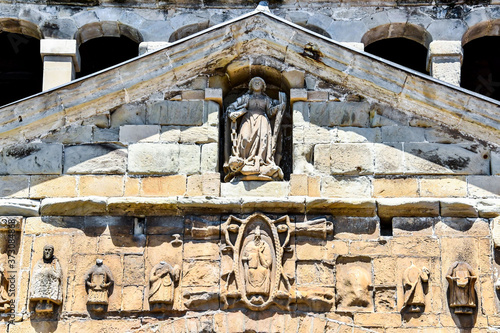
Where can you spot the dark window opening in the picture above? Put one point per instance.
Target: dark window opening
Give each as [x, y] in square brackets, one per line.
[21, 68]
[103, 52]
[481, 66]
[402, 51]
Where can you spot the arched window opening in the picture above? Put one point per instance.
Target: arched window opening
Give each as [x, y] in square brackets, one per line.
[402, 51]
[103, 52]
[21, 68]
[481, 66]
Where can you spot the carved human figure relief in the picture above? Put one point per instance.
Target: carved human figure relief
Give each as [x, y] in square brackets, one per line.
[162, 282]
[254, 139]
[98, 282]
[413, 280]
[461, 281]
[46, 286]
[4, 294]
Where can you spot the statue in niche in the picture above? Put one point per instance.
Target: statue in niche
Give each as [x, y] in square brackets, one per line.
[461, 282]
[413, 280]
[46, 288]
[98, 283]
[4, 295]
[257, 260]
[162, 284]
[254, 143]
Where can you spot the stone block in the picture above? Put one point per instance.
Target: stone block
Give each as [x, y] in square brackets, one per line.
[106, 186]
[213, 94]
[294, 78]
[316, 134]
[297, 95]
[391, 207]
[298, 184]
[21, 207]
[321, 158]
[210, 157]
[192, 95]
[71, 135]
[201, 250]
[357, 227]
[413, 226]
[133, 270]
[436, 158]
[351, 159]
[163, 186]
[443, 187]
[395, 188]
[417, 246]
[139, 133]
[346, 187]
[488, 208]
[402, 134]
[132, 187]
[483, 186]
[454, 227]
[153, 158]
[14, 186]
[142, 206]
[458, 208]
[314, 273]
[317, 95]
[300, 114]
[389, 158]
[495, 231]
[73, 206]
[358, 135]
[495, 163]
[314, 186]
[170, 134]
[194, 186]
[355, 114]
[283, 205]
[189, 159]
[129, 114]
[255, 189]
[95, 159]
[33, 158]
[199, 134]
[198, 273]
[53, 186]
[184, 113]
[105, 135]
[211, 184]
[342, 207]
[385, 299]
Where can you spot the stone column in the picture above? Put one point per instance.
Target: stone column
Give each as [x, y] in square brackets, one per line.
[444, 60]
[61, 60]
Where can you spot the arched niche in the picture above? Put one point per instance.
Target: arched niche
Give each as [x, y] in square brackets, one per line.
[21, 67]
[104, 44]
[403, 43]
[188, 30]
[234, 80]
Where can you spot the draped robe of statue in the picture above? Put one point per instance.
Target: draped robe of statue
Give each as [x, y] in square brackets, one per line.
[161, 283]
[47, 286]
[253, 153]
[413, 279]
[461, 281]
[258, 259]
[98, 281]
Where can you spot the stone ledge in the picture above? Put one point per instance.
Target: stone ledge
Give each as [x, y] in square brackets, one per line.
[391, 207]
[347, 207]
[19, 207]
[81, 206]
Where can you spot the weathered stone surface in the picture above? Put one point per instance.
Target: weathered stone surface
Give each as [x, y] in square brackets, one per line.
[139, 133]
[483, 186]
[413, 226]
[163, 186]
[389, 158]
[53, 186]
[71, 135]
[346, 187]
[402, 134]
[95, 159]
[458, 208]
[488, 208]
[11, 222]
[73, 206]
[273, 204]
[454, 226]
[183, 113]
[33, 158]
[132, 113]
[199, 134]
[435, 158]
[443, 187]
[105, 186]
[495, 231]
[151, 158]
[357, 228]
[342, 207]
[340, 113]
[189, 159]
[353, 284]
[14, 186]
[298, 184]
[19, 207]
[358, 135]
[388, 207]
[134, 206]
[351, 159]
[255, 188]
[395, 187]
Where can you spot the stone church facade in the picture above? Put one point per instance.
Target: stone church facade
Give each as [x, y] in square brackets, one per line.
[253, 170]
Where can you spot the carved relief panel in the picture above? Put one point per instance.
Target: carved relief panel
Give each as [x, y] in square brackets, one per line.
[99, 283]
[461, 281]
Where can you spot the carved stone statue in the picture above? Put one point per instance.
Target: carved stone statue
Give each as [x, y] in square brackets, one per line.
[254, 142]
[413, 279]
[461, 281]
[46, 288]
[257, 260]
[4, 295]
[355, 290]
[98, 282]
[162, 285]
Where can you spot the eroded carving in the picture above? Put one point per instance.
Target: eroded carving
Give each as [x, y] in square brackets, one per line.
[4, 294]
[254, 140]
[252, 264]
[98, 281]
[46, 288]
[162, 281]
[354, 285]
[461, 280]
[413, 285]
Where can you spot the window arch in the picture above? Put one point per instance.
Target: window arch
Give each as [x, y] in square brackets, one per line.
[188, 30]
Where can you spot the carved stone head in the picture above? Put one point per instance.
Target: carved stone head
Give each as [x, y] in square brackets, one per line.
[48, 253]
[257, 84]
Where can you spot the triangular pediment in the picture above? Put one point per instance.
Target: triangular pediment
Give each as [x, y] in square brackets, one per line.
[262, 40]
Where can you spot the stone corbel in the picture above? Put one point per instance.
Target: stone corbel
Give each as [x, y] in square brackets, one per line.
[61, 60]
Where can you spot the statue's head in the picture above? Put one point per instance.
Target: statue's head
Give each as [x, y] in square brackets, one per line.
[48, 252]
[98, 262]
[257, 84]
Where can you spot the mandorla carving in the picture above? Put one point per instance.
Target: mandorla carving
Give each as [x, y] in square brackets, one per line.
[255, 253]
[254, 141]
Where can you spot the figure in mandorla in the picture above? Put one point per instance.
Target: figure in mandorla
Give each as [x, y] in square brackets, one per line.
[46, 289]
[254, 142]
[98, 282]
